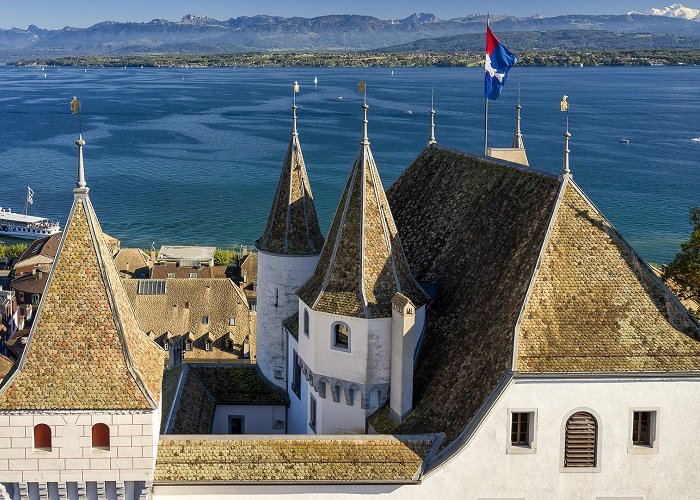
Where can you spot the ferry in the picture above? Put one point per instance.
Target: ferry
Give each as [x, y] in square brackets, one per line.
[26, 227]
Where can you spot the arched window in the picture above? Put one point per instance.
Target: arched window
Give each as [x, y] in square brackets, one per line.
[341, 337]
[100, 436]
[581, 441]
[42, 437]
[306, 322]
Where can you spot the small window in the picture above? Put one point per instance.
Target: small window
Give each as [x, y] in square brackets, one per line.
[341, 336]
[171, 275]
[205, 320]
[100, 436]
[42, 437]
[644, 424]
[187, 304]
[166, 345]
[296, 378]
[245, 277]
[35, 298]
[188, 345]
[581, 441]
[306, 322]
[312, 413]
[522, 429]
[21, 296]
[207, 345]
[277, 297]
[193, 275]
[232, 321]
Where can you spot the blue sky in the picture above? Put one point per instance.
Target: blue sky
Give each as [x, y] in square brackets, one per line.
[81, 13]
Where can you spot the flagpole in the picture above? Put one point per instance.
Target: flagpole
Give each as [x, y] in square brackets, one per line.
[486, 110]
[26, 203]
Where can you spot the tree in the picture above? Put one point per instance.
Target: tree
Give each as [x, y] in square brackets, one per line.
[12, 252]
[684, 269]
[223, 257]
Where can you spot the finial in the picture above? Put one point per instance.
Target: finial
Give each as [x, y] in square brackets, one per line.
[566, 171]
[518, 136]
[365, 138]
[81, 185]
[294, 109]
[431, 139]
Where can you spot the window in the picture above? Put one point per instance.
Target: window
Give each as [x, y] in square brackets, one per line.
[520, 429]
[341, 337]
[232, 321]
[277, 297]
[205, 320]
[296, 377]
[171, 275]
[21, 296]
[151, 287]
[581, 441]
[42, 437]
[312, 413]
[188, 345]
[193, 275]
[207, 345]
[306, 322]
[235, 424]
[643, 435]
[100, 436]
[166, 344]
[35, 298]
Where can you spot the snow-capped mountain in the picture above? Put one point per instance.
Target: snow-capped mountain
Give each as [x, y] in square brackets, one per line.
[676, 10]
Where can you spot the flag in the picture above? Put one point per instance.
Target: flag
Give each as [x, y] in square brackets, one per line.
[564, 103]
[361, 86]
[30, 196]
[498, 61]
[75, 105]
[296, 87]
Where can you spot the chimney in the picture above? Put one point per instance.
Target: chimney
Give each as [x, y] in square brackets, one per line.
[404, 338]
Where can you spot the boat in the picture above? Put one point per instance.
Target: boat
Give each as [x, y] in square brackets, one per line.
[623, 141]
[695, 139]
[340, 97]
[27, 227]
[315, 81]
[409, 111]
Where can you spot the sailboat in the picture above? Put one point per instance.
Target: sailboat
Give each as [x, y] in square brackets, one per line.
[315, 81]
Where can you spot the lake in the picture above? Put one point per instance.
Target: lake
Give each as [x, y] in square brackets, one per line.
[192, 156]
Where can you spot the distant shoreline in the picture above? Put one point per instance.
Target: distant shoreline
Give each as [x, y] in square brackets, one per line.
[668, 57]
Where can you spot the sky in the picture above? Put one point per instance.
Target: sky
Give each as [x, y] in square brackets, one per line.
[54, 14]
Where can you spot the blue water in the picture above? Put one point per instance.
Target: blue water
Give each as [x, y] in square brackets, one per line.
[192, 156]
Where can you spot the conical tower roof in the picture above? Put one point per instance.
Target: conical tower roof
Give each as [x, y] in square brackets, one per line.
[85, 350]
[362, 264]
[292, 227]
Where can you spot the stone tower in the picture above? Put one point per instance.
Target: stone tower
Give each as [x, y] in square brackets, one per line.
[288, 252]
[82, 404]
[361, 313]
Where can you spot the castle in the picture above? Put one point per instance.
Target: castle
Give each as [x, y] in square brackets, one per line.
[478, 330]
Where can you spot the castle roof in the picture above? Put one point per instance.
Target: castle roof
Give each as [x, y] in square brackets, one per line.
[289, 459]
[530, 279]
[85, 349]
[362, 264]
[292, 227]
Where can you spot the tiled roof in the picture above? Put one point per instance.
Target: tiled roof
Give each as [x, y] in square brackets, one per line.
[5, 366]
[294, 458]
[85, 350]
[30, 282]
[171, 382]
[46, 247]
[132, 262]
[473, 227]
[292, 324]
[183, 307]
[362, 264]
[597, 307]
[292, 227]
[204, 386]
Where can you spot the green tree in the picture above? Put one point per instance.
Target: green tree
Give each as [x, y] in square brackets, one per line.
[684, 269]
[223, 257]
[12, 252]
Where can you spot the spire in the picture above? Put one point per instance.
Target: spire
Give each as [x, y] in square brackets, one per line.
[292, 227]
[431, 139]
[80, 186]
[85, 341]
[518, 137]
[362, 264]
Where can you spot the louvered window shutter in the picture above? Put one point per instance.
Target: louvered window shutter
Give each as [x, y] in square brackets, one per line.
[581, 441]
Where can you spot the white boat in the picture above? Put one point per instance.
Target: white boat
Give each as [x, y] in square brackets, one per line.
[28, 227]
[623, 141]
[315, 81]
[696, 139]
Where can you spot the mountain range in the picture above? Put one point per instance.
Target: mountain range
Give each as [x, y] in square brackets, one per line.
[194, 34]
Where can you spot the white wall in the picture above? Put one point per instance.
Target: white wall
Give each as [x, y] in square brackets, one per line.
[483, 469]
[278, 276]
[130, 457]
[258, 419]
[297, 418]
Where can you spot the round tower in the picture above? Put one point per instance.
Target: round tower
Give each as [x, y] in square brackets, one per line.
[288, 252]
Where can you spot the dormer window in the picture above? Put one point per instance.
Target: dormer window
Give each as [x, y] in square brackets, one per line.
[205, 320]
[341, 337]
[207, 345]
[42, 437]
[166, 344]
[188, 345]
